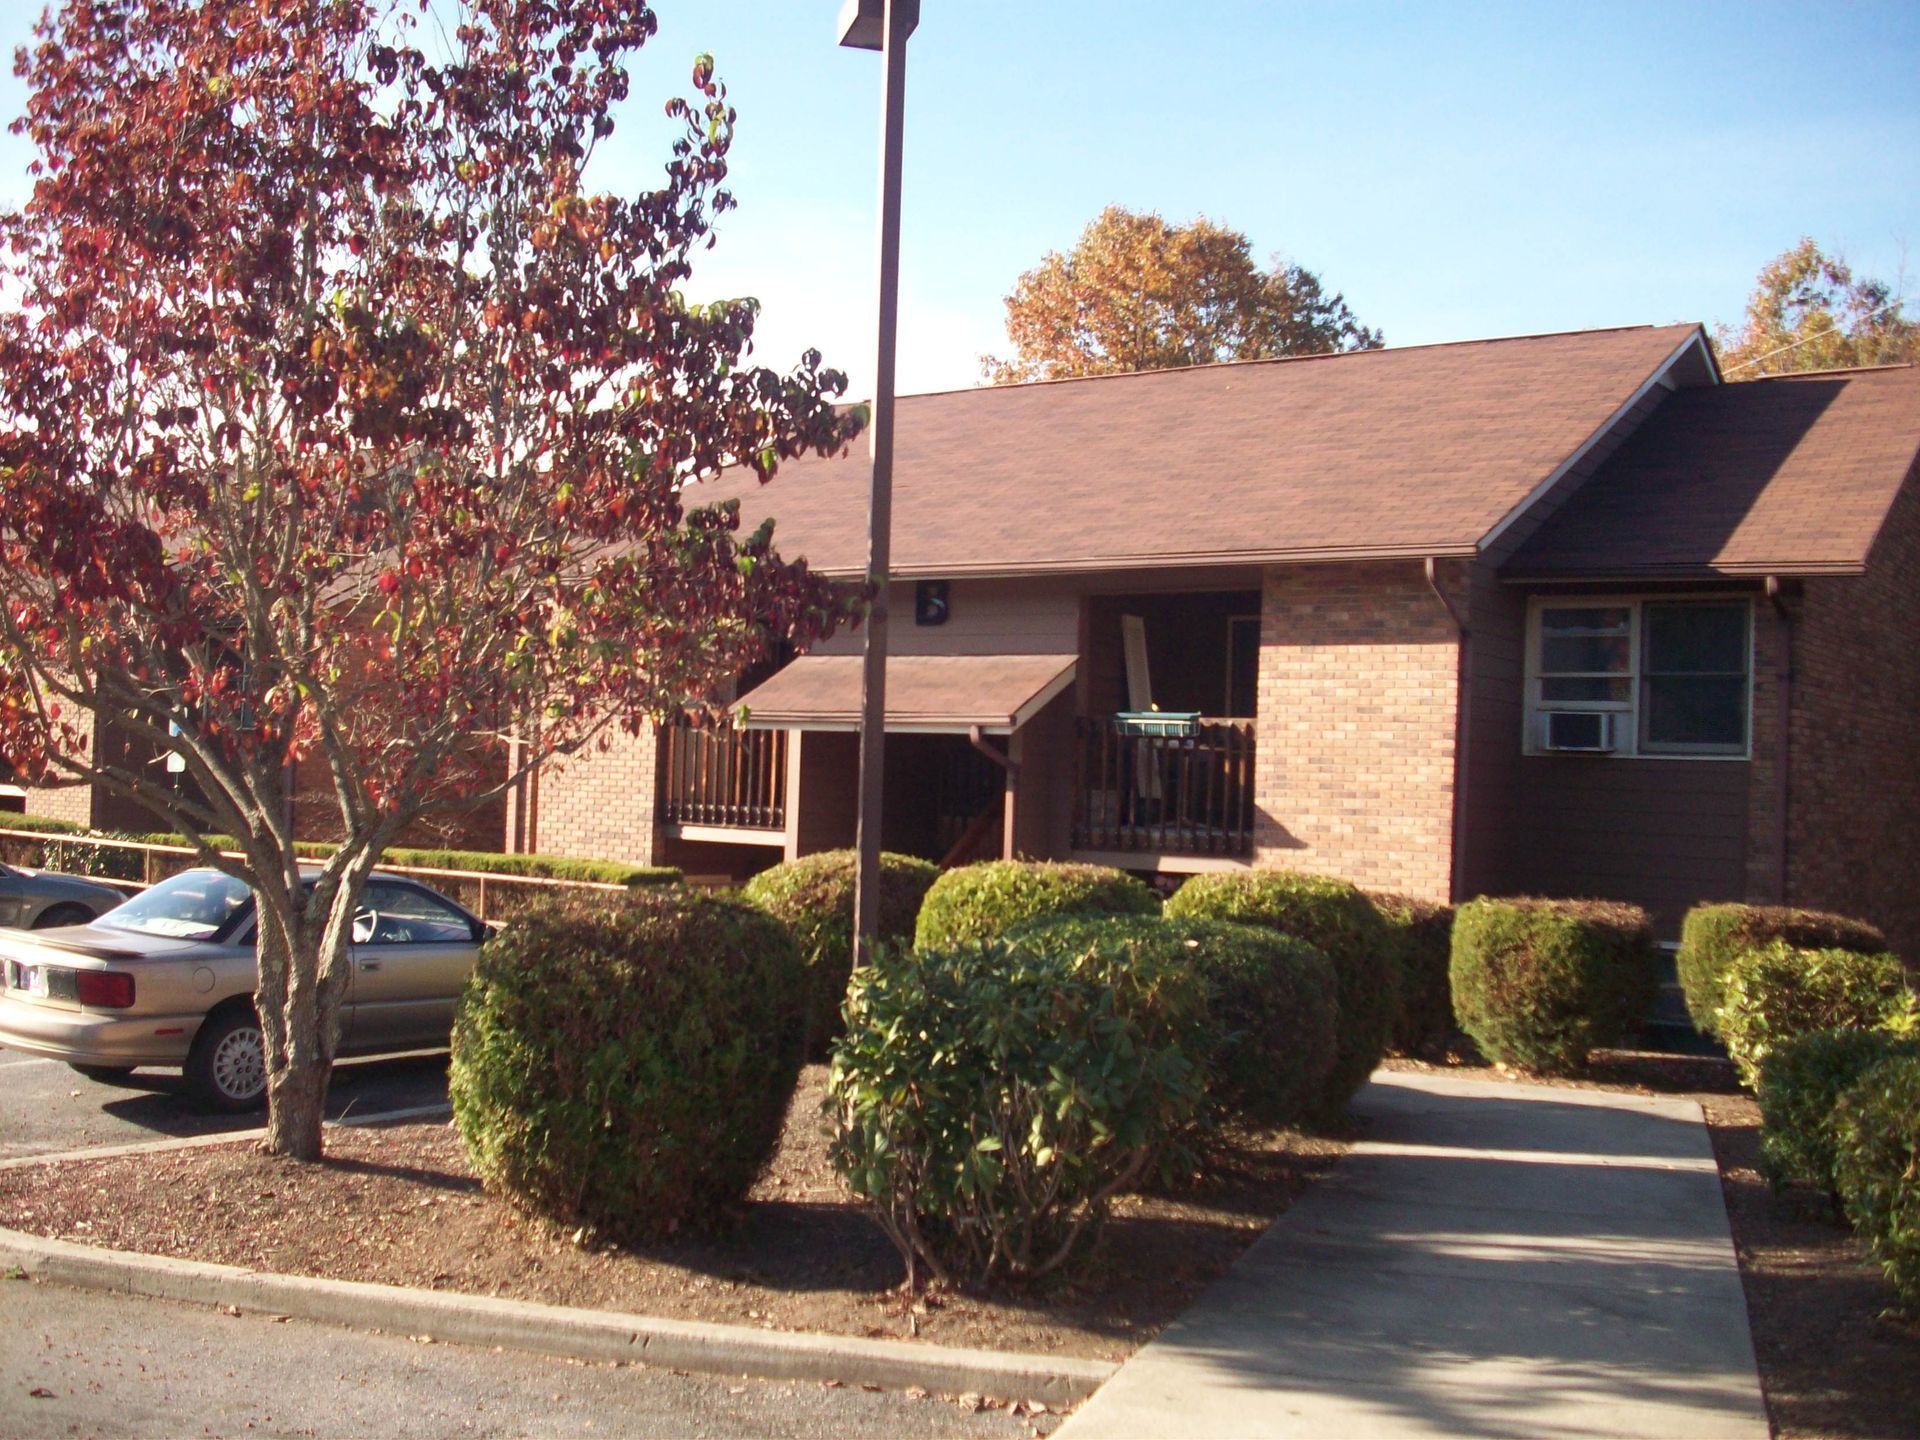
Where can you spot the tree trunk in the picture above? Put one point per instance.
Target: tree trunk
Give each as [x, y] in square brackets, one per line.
[299, 1007]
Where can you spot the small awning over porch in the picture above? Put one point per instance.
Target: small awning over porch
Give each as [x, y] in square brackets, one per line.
[926, 694]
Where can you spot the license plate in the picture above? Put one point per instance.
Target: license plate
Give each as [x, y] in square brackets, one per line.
[36, 978]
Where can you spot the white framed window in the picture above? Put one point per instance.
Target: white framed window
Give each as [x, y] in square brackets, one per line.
[1647, 676]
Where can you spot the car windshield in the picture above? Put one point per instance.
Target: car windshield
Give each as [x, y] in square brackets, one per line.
[193, 905]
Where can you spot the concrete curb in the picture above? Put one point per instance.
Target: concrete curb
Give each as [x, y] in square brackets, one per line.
[224, 1137]
[558, 1331]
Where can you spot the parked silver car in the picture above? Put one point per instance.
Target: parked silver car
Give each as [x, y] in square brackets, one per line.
[40, 899]
[167, 979]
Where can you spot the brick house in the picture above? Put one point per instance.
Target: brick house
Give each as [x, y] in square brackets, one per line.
[1560, 614]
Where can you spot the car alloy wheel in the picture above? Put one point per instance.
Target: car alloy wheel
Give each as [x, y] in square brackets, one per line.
[240, 1065]
[228, 1067]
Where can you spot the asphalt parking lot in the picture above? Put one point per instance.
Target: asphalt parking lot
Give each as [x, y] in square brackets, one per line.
[47, 1108]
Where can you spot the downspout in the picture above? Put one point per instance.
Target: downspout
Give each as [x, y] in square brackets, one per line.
[977, 737]
[1463, 692]
[1783, 705]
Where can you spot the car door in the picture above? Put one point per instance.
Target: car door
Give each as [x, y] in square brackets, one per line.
[412, 952]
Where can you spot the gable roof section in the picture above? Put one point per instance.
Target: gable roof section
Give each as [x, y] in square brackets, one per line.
[1375, 454]
[1792, 476]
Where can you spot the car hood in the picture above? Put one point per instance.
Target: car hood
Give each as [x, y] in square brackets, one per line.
[92, 942]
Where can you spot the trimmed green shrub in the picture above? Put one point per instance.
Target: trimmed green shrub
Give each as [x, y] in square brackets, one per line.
[1801, 1081]
[813, 897]
[1267, 1041]
[979, 902]
[990, 1100]
[1713, 935]
[628, 1065]
[1876, 1129]
[1422, 936]
[1780, 991]
[1338, 920]
[1539, 984]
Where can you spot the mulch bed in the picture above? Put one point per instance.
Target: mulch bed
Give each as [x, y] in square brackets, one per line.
[398, 1205]
[1835, 1357]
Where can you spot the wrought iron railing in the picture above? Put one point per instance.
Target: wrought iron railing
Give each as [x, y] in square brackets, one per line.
[716, 774]
[1187, 790]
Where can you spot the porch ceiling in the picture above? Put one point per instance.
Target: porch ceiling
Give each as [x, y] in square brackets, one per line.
[927, 694]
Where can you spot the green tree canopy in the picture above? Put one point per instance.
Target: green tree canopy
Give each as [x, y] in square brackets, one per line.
[1136, 293]
[1808, 312]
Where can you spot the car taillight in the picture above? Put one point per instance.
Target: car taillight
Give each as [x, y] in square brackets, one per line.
[104, 989]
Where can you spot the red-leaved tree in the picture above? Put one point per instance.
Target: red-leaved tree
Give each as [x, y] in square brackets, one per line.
[342, 425]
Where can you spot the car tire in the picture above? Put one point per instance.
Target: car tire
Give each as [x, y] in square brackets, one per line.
[107, 1073]
[227, 1068]
[62, 915]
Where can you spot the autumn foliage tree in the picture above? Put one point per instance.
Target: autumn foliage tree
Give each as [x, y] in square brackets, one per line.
[342, 422]
[1136, 293]
[1809, 312]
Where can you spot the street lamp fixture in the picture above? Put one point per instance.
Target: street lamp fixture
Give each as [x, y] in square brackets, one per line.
[863, 23]
[882, 25]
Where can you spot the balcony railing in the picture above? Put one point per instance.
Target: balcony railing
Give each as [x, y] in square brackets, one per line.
[715, 774]
[1189, 792]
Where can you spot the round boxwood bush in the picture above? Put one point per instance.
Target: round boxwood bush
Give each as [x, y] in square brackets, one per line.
[1267, 1040]
[1801, 1081]
[813, 896]
[1422, 936]
[1876, 1129]
[1780, 991]
[628, 1066]
[979, 902]
[1338, 920]
[990, 1100]
[1712, 936]
[1539, 984]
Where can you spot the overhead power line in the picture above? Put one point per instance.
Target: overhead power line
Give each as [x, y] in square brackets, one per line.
[1808, 339]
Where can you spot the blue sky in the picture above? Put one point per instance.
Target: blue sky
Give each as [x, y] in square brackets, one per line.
[1458, 170]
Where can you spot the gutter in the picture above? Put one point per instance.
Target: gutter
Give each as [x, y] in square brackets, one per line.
[1462, 730]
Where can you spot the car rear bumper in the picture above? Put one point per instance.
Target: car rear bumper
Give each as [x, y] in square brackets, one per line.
[90, 1038]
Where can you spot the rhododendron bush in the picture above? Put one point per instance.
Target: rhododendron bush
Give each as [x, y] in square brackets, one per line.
[344, 425]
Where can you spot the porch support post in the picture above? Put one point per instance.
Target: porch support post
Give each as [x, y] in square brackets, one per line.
[1010, 767]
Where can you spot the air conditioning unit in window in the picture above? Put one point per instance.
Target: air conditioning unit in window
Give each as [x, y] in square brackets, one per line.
[1586, 731]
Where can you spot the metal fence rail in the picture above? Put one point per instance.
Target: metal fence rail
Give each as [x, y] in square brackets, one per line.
[136, 864]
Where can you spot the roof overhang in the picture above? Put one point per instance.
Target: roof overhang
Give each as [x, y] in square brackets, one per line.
[926, 694]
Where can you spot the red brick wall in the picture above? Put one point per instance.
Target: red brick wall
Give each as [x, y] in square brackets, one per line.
[599, 804]
[1355, 738]
[72, 803]
[1853, 829]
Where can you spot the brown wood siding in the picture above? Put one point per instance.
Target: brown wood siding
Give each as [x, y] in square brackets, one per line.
[1666, 834]
[823, 789]
[1542, 509]
[985, 617]
[1490, 759]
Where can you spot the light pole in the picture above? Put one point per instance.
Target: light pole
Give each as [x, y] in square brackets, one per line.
[882, 25]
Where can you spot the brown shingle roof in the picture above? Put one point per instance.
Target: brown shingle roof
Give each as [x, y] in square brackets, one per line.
[999, 693]
[1416, 451]
[1791, 475]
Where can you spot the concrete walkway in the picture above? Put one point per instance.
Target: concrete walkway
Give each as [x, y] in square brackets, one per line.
[1494, 1260]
